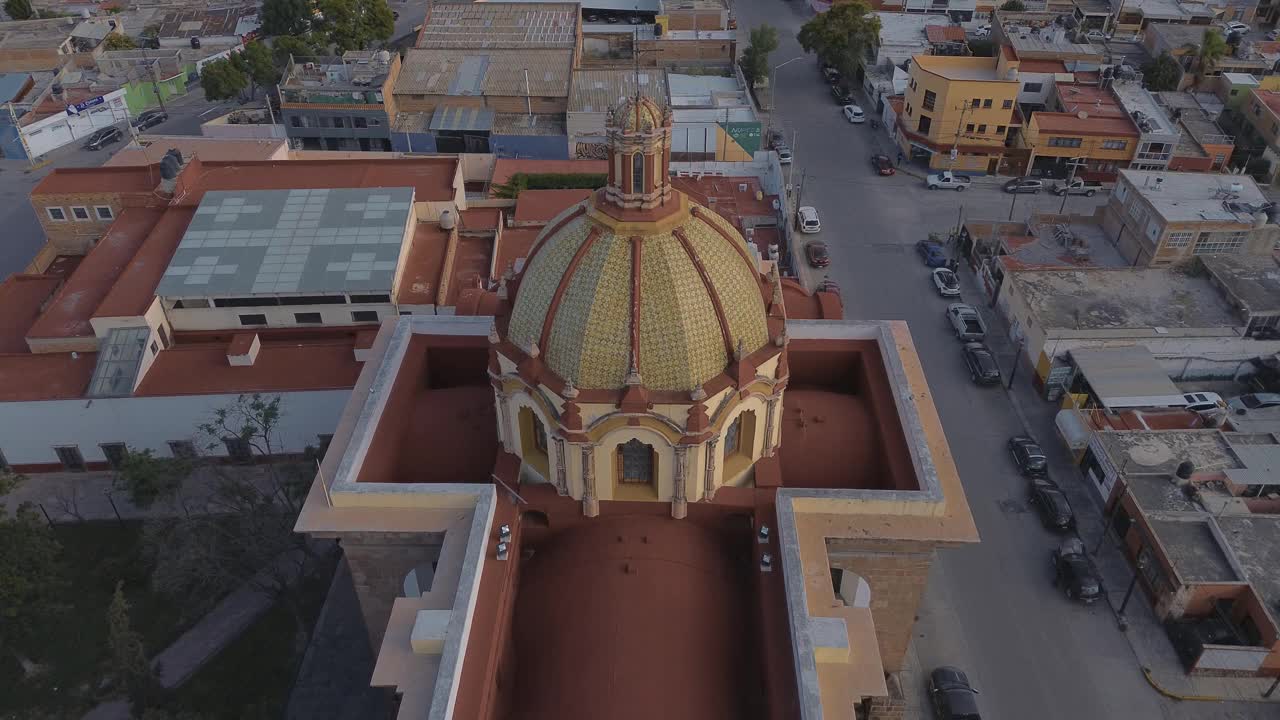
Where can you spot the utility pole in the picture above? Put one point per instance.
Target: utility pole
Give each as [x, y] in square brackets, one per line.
[1073, 163]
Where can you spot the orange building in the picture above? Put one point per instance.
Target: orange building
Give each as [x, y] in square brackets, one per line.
[658, 482]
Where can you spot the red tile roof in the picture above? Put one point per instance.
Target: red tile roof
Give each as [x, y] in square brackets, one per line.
[944, 33]
[55, 376]
[136, 286]
[68, 315]
[515, 243]
[431, 178]
[135, 178]
[21, 297]
[1270, 98]
[480, 219]
[540, 206]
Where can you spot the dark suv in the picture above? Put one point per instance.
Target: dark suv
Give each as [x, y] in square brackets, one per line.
[983, 369]
[953, 695]
[1028, 456]
[1055, 511]
[103, 138]
[150, 118]
[1073, 572]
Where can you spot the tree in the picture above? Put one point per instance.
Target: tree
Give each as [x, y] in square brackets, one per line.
[19, 9]
[1212, 49]
[146, 479]
[1013, 6]
[295, 46]
[257, 65]
[117, 41]
[32, 580]
[755, 59]
[223, 80]
[10, 481]
[286, 17]
[1162, 73]
[841, 35]
[128, 655]
[248, 539]
[353, 24]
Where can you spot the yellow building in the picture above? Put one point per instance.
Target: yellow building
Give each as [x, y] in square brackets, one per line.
[960, 106]
[1087, 127]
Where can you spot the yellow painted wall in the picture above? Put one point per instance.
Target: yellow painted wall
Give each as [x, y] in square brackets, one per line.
[953, 108]
[1091, 146]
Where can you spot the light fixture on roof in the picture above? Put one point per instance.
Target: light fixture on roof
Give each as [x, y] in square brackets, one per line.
[504, 534]
[766, 562]
[503, 551]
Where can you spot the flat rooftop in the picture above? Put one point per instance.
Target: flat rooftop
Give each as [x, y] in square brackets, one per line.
[1252, 281]
[903, 29]
[1160, 493]
[1112, 299]
[270, 242]
[1160, 452]
[596, 91]
[1196, 197]
[1135, 98]
[1180, 36]
[1254, 540]
[36, 34]
[491, 25]
[203, 22]
[1194, 550]
[472, 71]
[961, 68]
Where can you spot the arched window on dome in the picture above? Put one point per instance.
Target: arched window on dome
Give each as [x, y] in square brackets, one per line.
[637, 173]
[533, 442]
[635, 471]
[739, 445]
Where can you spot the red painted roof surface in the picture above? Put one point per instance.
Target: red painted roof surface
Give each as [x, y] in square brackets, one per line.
[431, 178]
[420, 279]
[504, 168]
[55, 376]
[135, 288]
[21, 297]
[1069, 123]
[137, 178]
[726, 196]
[201, 369]
[450, 435]
[515, 244]
[944, 33]
[470, 265]
[1270, 98]
[480, 219]
[637, 617]
[68, 315]
[540, 206]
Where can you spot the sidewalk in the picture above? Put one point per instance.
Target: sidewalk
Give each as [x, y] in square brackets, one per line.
[1153, 652]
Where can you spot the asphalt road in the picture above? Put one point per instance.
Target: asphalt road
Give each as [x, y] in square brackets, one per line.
[989, 608]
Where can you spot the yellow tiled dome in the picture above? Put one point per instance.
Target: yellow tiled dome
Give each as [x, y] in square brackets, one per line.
[698, 297]
[638, 113]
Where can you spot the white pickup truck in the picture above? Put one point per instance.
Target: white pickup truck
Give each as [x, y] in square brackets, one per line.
[1078, 187]
[966, 321]
[948, 181]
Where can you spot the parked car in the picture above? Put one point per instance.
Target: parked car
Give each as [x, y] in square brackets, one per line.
[983, 369]
[830, 286]
[594, 18]
[150, 118]
[1273, 34]
[1095, 36]
[983, 31]
[1028, 456]
[1073, 572]
[1235, 26]
[841, 95]
[807, 219]
[776, 139]
[946, 282]
[1078, 187]
[1030, 186]
[932, 253]
[854, 114]
[947, 180]
[1203, 401]
[830, 73]
[952, 695]
[882, 164]
[966, 321]
[634, 19]
[1047, 498]
[103, 138]
[784, 154]
[816, 253]
[1253, 401]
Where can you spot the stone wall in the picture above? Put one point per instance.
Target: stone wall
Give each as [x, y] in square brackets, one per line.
[896, 573]
[893, 707]
[379, 563]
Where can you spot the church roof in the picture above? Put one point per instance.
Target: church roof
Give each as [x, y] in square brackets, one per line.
[683, 294]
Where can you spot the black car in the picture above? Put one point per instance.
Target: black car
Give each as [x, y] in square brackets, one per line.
[1055, 511]
[150, 118]
[953, 695]
[1073, 572]
[842, 96]
[103, 138]
[983, 369]
[882, 164]
[1024, 185]
[1028, 456]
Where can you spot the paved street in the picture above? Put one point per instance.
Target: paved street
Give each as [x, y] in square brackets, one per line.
[989, 608]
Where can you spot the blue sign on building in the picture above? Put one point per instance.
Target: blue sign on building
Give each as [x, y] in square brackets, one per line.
[84, 105]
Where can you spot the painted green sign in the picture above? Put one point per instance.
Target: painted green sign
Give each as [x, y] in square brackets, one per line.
[746, 134]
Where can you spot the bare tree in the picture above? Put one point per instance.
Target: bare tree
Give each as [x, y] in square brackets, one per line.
[67, 500]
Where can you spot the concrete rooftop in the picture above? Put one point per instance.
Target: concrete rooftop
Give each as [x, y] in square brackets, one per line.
[1113, 299]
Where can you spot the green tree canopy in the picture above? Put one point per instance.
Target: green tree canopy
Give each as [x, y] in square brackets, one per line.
[841, 35]
[1213, 47]
[1162, 73]
[31, 579]
[117, 41]
[298, 46]
[353, 24]
[146, 479]
[19, 9]
[129, 657]
[286, 17]
[257, 65]
[755, 59]
[223, 80]
[1013, 6]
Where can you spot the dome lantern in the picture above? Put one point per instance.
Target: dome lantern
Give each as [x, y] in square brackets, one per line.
[639, 154]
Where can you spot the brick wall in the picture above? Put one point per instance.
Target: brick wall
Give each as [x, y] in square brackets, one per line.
[893, 707]
[379, 563]
[896, 573]
[71, 236]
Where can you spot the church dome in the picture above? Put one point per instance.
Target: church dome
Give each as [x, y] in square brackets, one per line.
[681, 296]
[638, 114]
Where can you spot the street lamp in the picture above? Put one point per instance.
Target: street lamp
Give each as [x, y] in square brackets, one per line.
[773, 76]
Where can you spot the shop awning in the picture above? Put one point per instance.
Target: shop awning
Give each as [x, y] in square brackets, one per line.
[1126, 377]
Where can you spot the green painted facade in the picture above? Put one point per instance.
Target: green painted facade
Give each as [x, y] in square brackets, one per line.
[140, 95]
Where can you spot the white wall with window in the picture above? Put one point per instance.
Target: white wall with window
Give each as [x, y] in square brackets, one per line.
[51, 133]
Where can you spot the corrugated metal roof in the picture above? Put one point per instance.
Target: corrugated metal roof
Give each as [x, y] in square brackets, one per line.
[595, 91]
[501, 25]
[461, 118]
[486, 72]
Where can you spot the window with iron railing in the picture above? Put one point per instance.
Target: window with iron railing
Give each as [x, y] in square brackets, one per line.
[930, 97]
[1220, 242]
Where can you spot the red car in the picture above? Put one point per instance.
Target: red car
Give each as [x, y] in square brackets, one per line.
[817, 254]
[882, 164]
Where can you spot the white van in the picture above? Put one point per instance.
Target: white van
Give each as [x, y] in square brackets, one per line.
[1203, 401]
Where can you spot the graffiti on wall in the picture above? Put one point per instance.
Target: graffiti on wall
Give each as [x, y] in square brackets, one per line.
[591, 151]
